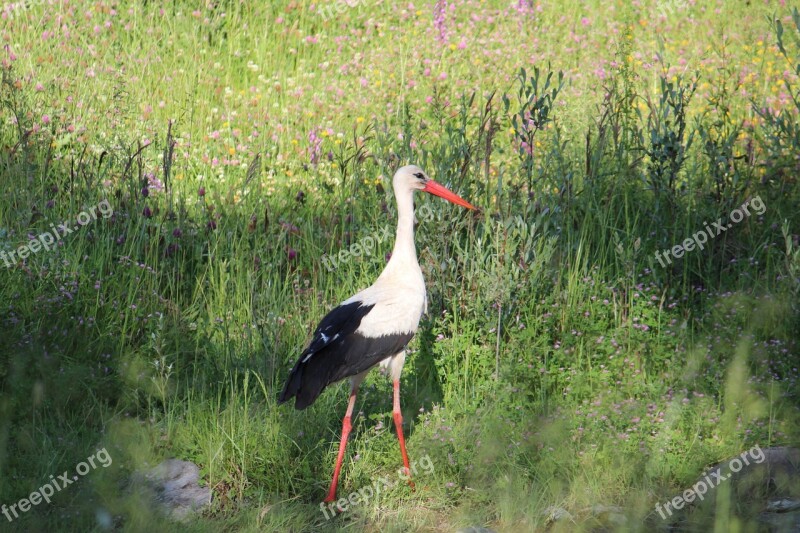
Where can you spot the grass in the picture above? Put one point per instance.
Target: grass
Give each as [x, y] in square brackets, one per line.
[560, 367]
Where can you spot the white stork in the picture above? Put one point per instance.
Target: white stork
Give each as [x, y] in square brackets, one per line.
[373, 326]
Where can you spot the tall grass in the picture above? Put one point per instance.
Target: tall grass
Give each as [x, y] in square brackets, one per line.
[559, 369]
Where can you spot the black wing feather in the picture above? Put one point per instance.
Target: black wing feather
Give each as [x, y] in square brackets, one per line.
[336, 351]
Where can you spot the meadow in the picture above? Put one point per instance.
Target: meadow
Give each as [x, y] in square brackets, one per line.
[584, 357]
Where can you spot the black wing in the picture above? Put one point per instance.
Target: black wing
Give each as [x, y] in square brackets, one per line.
[336, 351]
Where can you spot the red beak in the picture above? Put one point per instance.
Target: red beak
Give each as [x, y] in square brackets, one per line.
[443, 192]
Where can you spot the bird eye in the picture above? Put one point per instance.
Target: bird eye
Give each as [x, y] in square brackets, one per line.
[420, 175]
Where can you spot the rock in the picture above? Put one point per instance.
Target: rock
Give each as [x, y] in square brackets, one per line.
[554, 514]
[782, 505]
[782, 515]
[610, 514]
[173, 484]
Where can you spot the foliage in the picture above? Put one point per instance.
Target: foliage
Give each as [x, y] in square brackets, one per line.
[559, 366]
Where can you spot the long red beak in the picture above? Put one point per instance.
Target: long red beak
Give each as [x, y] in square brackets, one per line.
[443, 192]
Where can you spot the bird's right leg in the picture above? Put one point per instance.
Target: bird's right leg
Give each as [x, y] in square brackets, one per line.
[398, 424]
[346, 426]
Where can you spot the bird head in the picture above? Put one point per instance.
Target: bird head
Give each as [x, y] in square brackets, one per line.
[411, 177]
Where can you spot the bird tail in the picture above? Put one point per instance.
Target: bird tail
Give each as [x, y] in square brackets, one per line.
[305, 389]
[292, 386]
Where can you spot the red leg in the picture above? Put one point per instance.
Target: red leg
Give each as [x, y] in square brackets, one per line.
[342, 445]
[398, 424]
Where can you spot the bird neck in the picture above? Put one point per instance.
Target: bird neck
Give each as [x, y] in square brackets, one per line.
[404, 248]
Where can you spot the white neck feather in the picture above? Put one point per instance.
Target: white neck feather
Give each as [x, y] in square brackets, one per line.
[404, 248]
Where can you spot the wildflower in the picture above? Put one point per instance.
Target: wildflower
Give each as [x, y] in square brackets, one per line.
[439, 20]
[315, 142]
[154, 183]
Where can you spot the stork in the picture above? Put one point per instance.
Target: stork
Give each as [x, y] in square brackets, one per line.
[373, 326]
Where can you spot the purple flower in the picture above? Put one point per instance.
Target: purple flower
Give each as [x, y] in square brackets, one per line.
[154, 183]
[524, 6]
[314, 150]
[439, 20]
